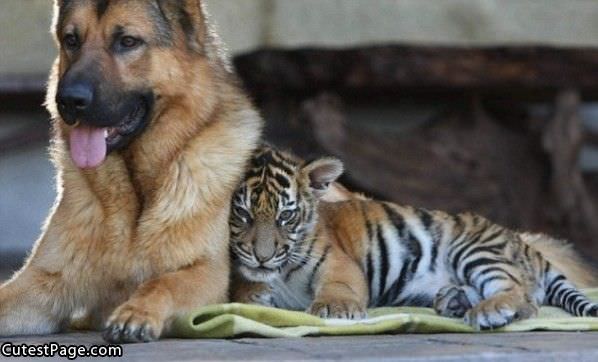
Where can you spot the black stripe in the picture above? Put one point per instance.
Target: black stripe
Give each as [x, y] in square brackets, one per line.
[492, 236]
[369, 260]
[489, 280]
[434, 255]
[314, 272]
[526, 251]
[493, 249]
[576, 303]
[395, 218]
[281, 165]
[566, 296]
[282, 180]
[416, 251]
[549, 289]
[582, 307]
[383, 260]
[369, 229]
[556, 298]
[426, 218]
[417, 300]
[396, 287]
[413, 244]
[499, 269]
[252, 173]
[469, 267]
[370, 268]
[471, 242]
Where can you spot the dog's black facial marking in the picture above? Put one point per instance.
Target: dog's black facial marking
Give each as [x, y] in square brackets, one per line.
[162, 26]
[64, 9]
[101, 7]
[188, 28]
[175, 12]
[124, 114]
[140, 107]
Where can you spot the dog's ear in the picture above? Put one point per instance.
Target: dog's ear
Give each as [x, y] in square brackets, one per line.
[321, 173]
[190, 17]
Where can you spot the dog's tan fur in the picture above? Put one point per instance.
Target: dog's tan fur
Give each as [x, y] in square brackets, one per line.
[144, 236]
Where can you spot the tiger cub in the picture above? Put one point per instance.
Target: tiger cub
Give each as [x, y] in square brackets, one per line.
[334, 259]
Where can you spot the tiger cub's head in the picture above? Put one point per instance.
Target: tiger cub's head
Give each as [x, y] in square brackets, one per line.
[274, 210]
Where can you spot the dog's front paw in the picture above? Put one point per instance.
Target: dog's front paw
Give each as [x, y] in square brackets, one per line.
[130, 324]
[345, 309]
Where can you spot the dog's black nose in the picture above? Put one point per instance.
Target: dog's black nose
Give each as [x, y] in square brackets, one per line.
[74, 100]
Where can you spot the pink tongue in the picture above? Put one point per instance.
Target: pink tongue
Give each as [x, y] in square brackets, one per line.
[88, 146]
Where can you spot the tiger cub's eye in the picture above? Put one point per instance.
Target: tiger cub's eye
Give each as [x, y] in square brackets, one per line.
[286, 216]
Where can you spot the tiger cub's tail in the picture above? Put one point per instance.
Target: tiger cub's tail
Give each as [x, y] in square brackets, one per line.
[565, 271]
[561, 293]
[564, 258]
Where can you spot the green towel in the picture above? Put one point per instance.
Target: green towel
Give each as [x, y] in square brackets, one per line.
[242, 320]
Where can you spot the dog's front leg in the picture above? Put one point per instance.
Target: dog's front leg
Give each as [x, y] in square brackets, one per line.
[31, 303]
[148, 313]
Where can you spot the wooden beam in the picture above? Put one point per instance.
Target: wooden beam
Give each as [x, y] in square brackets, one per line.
[396, 67]
[591, 137]
[563, 140]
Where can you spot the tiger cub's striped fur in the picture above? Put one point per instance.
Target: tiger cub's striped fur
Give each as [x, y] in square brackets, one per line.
[334, 259]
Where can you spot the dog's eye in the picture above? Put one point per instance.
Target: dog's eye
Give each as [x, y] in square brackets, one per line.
[71, 41]
[128, 43]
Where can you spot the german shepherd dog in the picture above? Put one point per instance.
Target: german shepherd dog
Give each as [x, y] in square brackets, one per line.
[151, 134]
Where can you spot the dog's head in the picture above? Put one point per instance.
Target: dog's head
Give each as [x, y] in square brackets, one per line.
[121, 64]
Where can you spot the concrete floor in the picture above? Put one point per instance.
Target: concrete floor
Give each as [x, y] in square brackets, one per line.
[529, 347]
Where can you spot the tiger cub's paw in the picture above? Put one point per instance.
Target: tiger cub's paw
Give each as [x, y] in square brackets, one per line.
[497, 312]
[261, 298]
[344, 309]
[454, 301]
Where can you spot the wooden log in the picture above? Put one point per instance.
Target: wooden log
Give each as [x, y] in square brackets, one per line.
[591, 137]
[393, 67]
[396, 67]
[563, 140]
[463, 162]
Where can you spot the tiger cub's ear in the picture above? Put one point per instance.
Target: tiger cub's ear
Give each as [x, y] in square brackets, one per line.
[321, 173]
